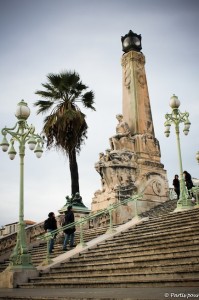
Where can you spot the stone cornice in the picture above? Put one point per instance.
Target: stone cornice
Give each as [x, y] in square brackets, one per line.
[133, 56]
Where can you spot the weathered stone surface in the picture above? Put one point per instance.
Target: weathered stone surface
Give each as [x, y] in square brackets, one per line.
[132, 164]
[12, 278]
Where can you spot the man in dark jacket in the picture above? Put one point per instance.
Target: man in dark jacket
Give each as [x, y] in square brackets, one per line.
[69, 232]
[176, 184]
[50, 224]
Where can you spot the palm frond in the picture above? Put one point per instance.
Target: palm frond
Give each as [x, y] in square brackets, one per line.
[45, 94]
[88, 100]
[44, 106]
[53, 92]
[54, 80]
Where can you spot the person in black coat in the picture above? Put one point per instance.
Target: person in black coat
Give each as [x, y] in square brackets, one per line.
[176, 184]
[69, 232]
[50, 224]
[188, 182]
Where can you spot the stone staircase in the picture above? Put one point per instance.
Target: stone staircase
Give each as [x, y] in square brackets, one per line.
[38, 252]
[161, 209]
[159, 252]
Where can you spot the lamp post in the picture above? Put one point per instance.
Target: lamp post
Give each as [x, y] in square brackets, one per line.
[176, 117]
[21, 133]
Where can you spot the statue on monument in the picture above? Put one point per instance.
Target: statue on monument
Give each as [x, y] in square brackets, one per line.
[122, 130]
[75, 200]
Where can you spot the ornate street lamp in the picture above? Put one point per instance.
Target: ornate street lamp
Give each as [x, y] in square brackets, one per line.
[131, 41]
[176, 117]
[21, 133]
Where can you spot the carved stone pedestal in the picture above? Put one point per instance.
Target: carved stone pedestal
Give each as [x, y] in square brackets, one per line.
[131, 166]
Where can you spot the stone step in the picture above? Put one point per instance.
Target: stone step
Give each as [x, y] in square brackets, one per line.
[108, 267]
[174, 244]
[43, 250]
[147, 228]
[148, 260]
[181, 214]
[153, 239]
[187, 268]
[162, 225]
[148, 240]
[167, 223]
[192, 230]
[132, 252]
[161, 259]
[145, 232]
[149, 281]
[112, 277]
[121, 268]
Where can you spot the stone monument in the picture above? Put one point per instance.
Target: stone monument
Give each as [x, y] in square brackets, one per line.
[132, 164]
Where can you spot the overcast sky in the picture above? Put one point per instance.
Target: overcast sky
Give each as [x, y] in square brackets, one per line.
[43, 36]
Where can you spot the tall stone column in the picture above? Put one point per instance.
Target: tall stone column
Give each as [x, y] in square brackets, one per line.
[136, 103]
[132, 165]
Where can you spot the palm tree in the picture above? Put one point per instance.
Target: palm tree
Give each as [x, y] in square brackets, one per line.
[65, 127]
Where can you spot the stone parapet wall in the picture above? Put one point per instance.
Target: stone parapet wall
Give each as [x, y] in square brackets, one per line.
[9, 241]
[32, 233]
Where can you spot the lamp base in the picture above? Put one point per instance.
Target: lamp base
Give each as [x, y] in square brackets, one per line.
[184, 205]
[20, 261]
[12, 278]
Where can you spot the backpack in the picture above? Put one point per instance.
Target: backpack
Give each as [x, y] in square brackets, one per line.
[46, 224]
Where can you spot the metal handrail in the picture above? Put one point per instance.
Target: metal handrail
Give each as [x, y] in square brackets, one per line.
[83, 220]
[195, 191]
[50, 235]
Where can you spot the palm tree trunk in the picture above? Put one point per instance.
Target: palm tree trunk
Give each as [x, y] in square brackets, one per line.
[74, 172]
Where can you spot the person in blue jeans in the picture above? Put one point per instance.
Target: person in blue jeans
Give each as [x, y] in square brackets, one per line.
[69, 232]
[50, 224]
